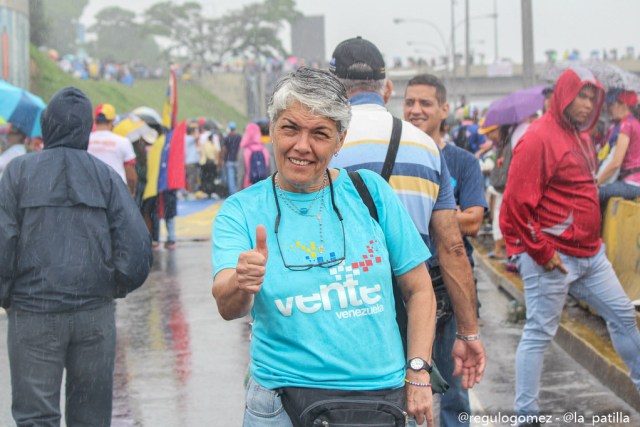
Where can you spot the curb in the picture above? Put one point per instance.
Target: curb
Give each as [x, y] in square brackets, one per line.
[593, 352]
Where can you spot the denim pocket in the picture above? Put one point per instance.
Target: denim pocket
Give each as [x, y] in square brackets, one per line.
[95, 325]
[261, 401]
[36, 329]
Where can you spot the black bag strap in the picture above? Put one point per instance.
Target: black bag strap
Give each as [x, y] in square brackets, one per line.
[364, 193]
[402, 319]
[401, 311]
[392, 151]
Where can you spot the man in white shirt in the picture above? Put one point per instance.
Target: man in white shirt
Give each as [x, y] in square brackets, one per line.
[15, 147]
[114, 150]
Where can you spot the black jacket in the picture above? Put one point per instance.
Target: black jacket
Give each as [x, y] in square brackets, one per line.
[71, 236]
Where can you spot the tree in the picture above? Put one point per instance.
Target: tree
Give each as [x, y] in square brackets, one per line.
[61, 28]
[253, 30]
[186, 31]
[120, 38]
[39, 27]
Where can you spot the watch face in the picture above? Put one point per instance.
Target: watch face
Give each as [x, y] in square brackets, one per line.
[416, 364]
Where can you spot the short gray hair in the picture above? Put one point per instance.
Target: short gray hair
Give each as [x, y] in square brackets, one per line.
[355, 86]
[318, 90]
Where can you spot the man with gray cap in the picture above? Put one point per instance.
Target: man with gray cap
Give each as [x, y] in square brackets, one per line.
[421, 180]
[71, 240]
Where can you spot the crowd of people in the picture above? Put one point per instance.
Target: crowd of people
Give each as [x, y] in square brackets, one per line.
[220, 164]
[617, 170]
[83, 68]
[549, 226]
[343, 227]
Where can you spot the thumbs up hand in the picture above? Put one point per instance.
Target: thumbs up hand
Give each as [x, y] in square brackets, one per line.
[252, 264]
[261, 242]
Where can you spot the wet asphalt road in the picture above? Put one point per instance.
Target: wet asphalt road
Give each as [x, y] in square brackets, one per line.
[180, 364]
[570, 395]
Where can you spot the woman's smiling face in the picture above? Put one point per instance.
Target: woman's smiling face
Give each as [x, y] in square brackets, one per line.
[303, 144]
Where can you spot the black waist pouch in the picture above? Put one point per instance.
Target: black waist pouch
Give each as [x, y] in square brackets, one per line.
[345, 408]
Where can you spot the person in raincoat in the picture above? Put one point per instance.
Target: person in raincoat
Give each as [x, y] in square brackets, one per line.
[71, 240]
[551, 203]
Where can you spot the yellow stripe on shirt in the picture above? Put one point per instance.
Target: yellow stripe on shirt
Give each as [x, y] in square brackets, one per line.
[415, 185]
[386, 142]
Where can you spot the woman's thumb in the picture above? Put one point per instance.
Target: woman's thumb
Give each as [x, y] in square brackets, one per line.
[261, 240]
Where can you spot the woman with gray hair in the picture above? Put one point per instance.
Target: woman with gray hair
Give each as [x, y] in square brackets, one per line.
[301, 253]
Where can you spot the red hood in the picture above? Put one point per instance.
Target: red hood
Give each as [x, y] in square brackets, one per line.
[566, 90]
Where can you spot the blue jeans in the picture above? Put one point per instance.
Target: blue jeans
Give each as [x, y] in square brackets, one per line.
[231, 168]
[456, 399]
[617, 189]
[171, 229]
[264, 408]
[591, 279]
[42, 345]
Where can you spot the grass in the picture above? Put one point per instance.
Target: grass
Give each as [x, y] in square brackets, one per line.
[193, 101]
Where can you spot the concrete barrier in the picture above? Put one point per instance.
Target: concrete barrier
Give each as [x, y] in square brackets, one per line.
[621, 235]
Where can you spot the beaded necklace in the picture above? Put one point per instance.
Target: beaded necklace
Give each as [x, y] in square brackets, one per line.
[303, 211]
[306, 211]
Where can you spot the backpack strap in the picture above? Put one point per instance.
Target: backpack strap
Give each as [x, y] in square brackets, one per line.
[392, 151]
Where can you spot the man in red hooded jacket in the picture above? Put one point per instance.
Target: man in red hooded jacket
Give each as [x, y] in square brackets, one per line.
[551, 205]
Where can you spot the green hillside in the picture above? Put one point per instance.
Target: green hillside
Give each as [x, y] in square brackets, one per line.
[193, 101]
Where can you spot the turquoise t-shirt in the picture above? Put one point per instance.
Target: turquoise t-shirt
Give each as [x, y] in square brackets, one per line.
[324, 327]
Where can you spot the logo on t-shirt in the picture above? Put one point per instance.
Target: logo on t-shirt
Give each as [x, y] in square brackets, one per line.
[346, 296]
[338, 295]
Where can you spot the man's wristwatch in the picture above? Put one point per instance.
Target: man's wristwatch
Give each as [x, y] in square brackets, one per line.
[417, 364]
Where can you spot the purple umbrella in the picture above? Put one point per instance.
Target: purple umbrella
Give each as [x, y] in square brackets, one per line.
[515, 107]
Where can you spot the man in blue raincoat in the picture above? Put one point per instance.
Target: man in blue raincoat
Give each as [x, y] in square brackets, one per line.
[71, 240]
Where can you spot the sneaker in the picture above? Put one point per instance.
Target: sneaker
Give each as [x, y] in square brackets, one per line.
[155, 246]
[170, 245]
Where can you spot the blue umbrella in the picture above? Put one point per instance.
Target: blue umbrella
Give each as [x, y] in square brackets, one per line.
[515, 107]
[21, 108]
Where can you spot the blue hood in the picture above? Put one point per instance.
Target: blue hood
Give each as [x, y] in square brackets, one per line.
[67, 121]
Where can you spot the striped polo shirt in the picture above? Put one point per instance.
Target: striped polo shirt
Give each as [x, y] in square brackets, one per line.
[420, 176]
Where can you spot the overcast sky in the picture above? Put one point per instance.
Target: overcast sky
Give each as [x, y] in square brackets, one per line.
[558, 24]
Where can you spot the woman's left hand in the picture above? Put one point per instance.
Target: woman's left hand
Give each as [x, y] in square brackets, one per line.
[420, 403]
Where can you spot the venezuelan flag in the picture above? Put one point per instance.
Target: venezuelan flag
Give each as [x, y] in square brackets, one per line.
[170, 109]
[165, 162]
